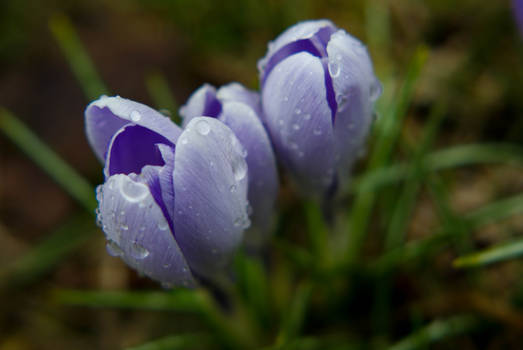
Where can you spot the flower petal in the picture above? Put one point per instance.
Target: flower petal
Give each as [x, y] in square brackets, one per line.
[138, 232]
[356, 89]
[302, 30]
[132, 148]
[105, 116]
[210, 185]
[263, 176]
[237, 92]
[298, 117]
[202, 102]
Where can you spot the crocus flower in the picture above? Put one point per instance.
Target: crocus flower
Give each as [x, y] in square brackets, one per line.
[166, 207]
[240, 110]
[318, 89]
[517, 7]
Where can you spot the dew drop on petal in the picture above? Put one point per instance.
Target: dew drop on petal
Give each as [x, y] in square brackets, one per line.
[375, 90]
[296, 127]
[163, 225]
[203, 127]
[307, 116]
[232, 188]
[317, 132]
[298, 111]
[133, 191]
[334, 69]
[135, 116]
[239, 169]
[138, 251]
[113, 249]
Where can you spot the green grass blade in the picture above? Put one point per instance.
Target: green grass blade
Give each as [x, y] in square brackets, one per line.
[159, 90]
[499, 253]
[452, 157]
[388, 129]
[72, 182]
[317, 230]
[46, 255]
[183, 300]
[437, 331]
[295, 316]
[77, 57]
[176, 342]
[489, 213]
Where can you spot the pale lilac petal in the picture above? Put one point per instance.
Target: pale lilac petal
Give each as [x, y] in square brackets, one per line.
[202, 102]
[210, 184]
[137, 231]
[298, 117]
[105, 116]
[238, 93]
[263, 176]
[302, 30]
[356, 89]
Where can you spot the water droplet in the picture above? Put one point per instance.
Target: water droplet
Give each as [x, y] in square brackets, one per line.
[135, 116]
[285, 98]
[334, 69]
[350, 126]
[301, 154]
[375, 90]
[338, 57]
[138, 251]
[113, 249]
[244, 153]
[163, 225]
[307, 116]
[298, 111]
[167, 285]
[281, 122]
[124, 227]
[165, 112]
[166, 266]
[317, 132]
[184, 141]
[133, 191]
[248, 209]
[239, 169]
[232, 188]
[296, 127]
[203, 127]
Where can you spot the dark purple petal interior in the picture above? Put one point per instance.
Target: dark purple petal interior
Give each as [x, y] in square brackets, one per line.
[152, 179]
[213, 106]
[133, 148]
[316, 46]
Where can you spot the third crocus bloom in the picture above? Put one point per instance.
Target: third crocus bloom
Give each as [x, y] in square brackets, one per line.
[318, 90]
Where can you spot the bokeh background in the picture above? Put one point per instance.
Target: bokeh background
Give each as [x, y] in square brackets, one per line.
[158, 52]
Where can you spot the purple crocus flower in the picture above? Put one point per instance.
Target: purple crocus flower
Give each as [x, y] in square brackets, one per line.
[517, 6]
[240, 109]
[166, 207]
[318, 89]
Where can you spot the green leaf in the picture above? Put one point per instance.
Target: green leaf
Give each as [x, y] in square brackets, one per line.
[294, 317]
[436, 331]
[77, 57]
[176, 342]
[453, 157]
[183, 300]
[40, 259]
[159, 90]
[387, 132]
[499, 253]
[72, 182]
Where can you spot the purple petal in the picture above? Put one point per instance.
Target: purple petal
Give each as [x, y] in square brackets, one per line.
[210, 185]
[202, 102]
[105, 116]
[132, 148]
[137, 231]
[517, 6]
[238, 93]
[298, 117]
[263, 176]
[302, 30]
[356, 89]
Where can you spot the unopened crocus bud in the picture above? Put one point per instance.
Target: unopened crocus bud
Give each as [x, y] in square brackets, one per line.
[318, 89]
[166, 206]
[240, 110]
